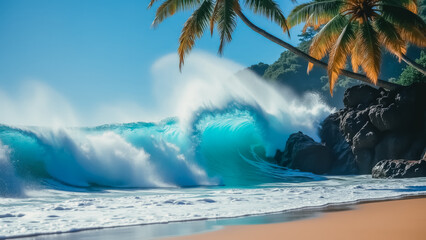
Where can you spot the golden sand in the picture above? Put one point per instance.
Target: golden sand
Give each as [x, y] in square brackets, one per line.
[398, 219]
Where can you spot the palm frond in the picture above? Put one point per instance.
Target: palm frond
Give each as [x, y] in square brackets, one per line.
[152, 3]
[339, 53]
[214, 17]
[411, 5]
[315, 22]
[356, 57]
[389, 37]
[412, 28]
[226, 21]
[369, 50]
[324, 40]
[169, 7]
[270, 9]
[314, 13]
[194, 28]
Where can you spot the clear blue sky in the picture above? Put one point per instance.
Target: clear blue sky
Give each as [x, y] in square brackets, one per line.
[102, 50]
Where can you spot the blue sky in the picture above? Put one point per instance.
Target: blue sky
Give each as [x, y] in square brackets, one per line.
[94, 51]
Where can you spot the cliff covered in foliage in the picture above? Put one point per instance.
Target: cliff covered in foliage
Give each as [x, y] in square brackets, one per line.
[291, 71]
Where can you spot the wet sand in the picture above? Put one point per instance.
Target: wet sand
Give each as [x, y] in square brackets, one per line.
[398, 219]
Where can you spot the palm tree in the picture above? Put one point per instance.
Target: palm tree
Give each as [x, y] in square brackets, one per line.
[223, 14]
[359, 28]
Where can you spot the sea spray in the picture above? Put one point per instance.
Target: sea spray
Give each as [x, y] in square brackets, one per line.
[217, 150]
[36, 104]
[90, 157]
[211, 83]
[10, 184]
[216, 116]
[219, 128]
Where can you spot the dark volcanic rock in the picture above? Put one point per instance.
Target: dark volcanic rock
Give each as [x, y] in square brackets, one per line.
[393, 145]
[343, 159]
[329, 131]
[386, 100]
[400, 109]
[277, 157]
[352, 122]
[399, 169]
[303, 153]
[331, 137]
[364, 161]
[375, 125]
[416, 148]
[386, 118]
[424, 123]
[392, 126]
[360, 95]
[367, 137]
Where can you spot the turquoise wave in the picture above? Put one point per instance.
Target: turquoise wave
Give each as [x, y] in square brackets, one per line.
[227, 147]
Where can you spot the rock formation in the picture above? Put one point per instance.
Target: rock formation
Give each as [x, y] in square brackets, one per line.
[374, 125]
[303, 153]
[400, 169]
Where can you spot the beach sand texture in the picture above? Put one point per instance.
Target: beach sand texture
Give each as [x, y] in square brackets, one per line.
[398, 219]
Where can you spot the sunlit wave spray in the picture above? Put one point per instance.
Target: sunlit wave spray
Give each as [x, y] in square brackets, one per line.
[220, 126]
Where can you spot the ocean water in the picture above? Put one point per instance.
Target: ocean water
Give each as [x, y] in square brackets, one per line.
[68, 179]
[208, 160]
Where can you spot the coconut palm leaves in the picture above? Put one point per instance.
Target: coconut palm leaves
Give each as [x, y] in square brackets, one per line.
[210, 13]
[359, 29]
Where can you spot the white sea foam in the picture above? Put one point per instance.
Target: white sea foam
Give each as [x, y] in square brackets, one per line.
[105, 158]
[208, 83]
[223, 117]
[10, 184]
[59, 211]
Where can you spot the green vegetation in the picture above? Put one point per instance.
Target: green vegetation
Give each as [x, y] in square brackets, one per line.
[410, 75]
[290, 70]
[356, 28]
[259, 68]
[422, 9]
[361, 29]
[223, 14]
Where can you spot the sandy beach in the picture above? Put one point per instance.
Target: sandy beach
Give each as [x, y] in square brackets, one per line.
[398, 219]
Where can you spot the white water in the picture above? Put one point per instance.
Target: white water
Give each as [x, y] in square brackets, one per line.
[58, 211]
[59, 179]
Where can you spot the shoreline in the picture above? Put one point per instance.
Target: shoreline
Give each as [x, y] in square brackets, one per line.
[206, 226]
[394, 219]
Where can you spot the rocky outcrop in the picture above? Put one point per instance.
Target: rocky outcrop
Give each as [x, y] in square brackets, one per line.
[386, 118]
[365, 138]
[379, 125]
[303, 153]
[394, 145]
[359, 96]
[400, 169]
[343, 160]
[375, 125]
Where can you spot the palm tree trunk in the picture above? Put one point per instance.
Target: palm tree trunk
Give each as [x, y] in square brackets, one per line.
[298, 52]
[415, 65]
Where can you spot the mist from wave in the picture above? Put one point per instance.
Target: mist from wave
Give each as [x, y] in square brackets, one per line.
[220, 128]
